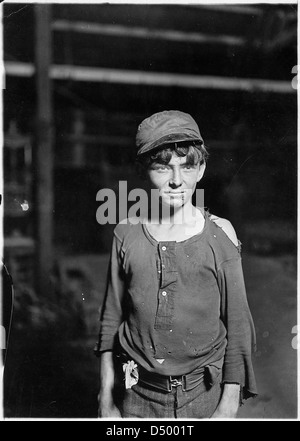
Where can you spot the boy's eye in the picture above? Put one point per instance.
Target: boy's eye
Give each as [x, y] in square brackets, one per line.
[160, 167]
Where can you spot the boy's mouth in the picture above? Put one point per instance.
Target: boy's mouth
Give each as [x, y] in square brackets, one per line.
[180, 195]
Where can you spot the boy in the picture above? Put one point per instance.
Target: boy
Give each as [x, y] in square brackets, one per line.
[175, 315]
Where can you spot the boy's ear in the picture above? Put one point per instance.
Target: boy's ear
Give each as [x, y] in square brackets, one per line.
[201, 171]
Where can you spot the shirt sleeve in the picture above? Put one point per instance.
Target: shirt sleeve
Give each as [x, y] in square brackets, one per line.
[111, 311]
[241, 338]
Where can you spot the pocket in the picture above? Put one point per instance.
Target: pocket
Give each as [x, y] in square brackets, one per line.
[213, 374]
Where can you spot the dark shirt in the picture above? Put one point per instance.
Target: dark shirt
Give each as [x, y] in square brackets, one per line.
[179, 305]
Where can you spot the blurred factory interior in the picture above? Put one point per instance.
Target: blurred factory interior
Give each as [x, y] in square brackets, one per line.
[79, 79]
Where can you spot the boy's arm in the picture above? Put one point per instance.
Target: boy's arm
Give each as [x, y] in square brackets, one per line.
[107, 408]
[238, 376]
[110, 318]
[229, 404]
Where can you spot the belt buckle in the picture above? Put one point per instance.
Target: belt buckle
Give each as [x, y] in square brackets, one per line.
[174, 382]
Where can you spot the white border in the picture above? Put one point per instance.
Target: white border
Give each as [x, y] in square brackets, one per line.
[152, 2]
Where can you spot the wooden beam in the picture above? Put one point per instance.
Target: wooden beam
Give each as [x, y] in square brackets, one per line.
[100, 140]
[162, 79]
[19, 69]
[286, 38]
[44, 148]
[232, 9]
[145, 33]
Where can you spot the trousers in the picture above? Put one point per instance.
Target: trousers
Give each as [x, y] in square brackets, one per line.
[198, 403]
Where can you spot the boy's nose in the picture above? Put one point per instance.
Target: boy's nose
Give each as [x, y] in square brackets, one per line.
[176, 179]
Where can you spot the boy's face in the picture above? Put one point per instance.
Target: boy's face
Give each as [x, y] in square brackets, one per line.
[176, 181]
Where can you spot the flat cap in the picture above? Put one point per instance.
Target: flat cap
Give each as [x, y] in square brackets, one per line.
[166, 127]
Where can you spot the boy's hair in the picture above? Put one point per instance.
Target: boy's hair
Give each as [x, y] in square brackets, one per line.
[195, 153]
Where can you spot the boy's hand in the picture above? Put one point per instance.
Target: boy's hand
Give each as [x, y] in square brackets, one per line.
[225, 413]
[106, 405]
[107, 409]
[229, 404]
[109, 412]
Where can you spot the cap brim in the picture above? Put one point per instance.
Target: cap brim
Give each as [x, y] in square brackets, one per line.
[168, 139]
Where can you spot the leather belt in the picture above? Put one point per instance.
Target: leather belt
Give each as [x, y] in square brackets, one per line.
[167, 383]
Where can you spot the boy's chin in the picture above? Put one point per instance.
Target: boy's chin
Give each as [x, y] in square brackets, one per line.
[173, 203]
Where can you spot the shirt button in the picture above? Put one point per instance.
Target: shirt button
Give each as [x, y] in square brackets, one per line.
[164, 293]
[164, 248]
